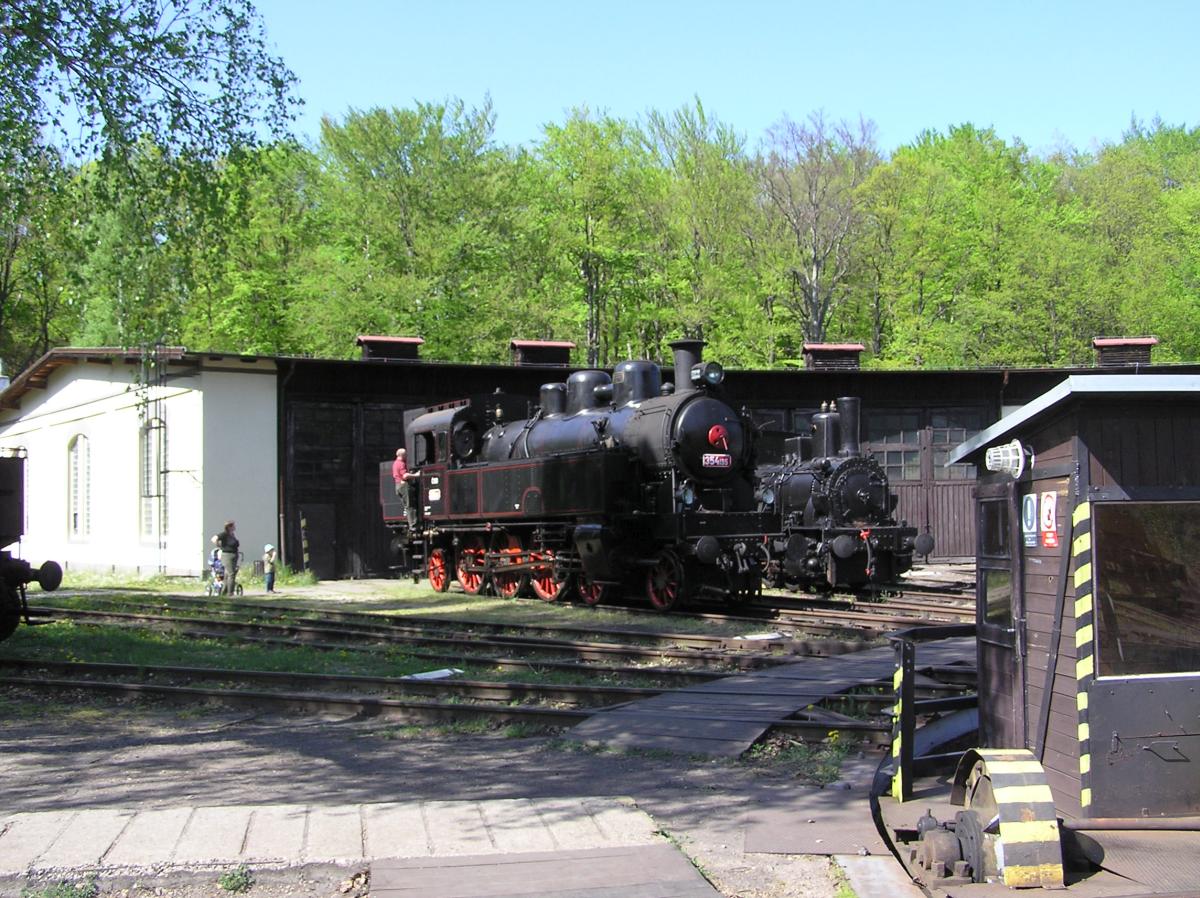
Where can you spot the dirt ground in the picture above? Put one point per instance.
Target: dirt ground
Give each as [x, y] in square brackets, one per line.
[94, 758]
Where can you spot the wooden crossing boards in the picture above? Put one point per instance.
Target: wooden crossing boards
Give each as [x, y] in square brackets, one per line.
[725, 717]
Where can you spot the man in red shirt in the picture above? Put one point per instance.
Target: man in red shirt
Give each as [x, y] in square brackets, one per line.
[401, 474]
[400, 471]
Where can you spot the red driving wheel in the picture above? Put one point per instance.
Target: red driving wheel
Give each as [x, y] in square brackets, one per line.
[470, 564]
[508, 582]
[438, 570]
[546, 586]
[664, 581]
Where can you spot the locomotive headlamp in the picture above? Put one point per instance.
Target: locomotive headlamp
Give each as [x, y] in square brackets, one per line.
[687, 494]
[767, 496]
[710, 373]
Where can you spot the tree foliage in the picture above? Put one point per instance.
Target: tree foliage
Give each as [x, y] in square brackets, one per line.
[958, 249]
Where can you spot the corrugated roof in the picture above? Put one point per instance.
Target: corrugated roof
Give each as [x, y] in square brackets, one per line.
[1076, 385]
[547, 344]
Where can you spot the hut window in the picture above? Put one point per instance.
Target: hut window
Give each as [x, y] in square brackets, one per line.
[994, 563]
[1147, 587]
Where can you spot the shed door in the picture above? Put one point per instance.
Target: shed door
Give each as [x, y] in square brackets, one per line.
[998, 613]
[1144, 704]
[912, 445]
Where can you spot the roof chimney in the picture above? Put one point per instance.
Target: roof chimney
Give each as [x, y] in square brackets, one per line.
[390, 348]
[533, 353]
[1120, 352]
[832, 356]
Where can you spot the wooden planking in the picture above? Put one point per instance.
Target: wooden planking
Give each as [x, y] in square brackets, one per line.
[726, 716]
[648, 871]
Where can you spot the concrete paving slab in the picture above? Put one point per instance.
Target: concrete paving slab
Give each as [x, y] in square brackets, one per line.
[275, 833]
[457, 827]
[334, 835]
[85, 839]
[514, 826]
[110, 840]
[646, 871]
[148, 839]
[878, 877]
[213, 834]
[23, 838]
[395, 830]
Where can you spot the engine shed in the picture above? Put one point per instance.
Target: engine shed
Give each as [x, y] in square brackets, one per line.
[1088, 521]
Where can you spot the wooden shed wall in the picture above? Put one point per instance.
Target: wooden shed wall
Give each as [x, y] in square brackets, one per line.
[1143, 444]
[1043, 577]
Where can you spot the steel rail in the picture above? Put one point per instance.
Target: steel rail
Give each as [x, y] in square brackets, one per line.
[422, 712]
[581, 650]
[482, 690]
[361, 706]
[680, 676]
[420, 624]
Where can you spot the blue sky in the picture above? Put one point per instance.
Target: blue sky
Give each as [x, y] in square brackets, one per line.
[1051, 73]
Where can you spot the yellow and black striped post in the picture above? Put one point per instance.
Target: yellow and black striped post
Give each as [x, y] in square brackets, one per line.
[903, 720]
[1030, 850]
[1085, 643]
[304, 540]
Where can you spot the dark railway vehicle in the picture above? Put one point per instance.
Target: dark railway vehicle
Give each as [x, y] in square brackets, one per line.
[613, 481]
[15, 573]
[836, 512]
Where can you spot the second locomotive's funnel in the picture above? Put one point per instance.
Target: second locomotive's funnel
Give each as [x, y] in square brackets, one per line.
[687, 356]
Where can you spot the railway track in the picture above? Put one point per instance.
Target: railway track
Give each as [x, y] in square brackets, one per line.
[491, 702]
[464, 645]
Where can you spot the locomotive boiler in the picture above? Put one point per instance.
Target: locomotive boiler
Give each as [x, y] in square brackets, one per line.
[836, 525]
[612, 481]
[16, 573]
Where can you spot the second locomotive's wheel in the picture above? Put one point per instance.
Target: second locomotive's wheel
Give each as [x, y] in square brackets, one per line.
[438, 569]
[592, 593]
[665, 581]
[10, 611]
[509, 583]
[470, 563]
[546, 585]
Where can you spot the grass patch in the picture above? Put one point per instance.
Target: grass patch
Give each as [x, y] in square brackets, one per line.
[86, 888]
[236, 880]
[67, 641]
[819, 764]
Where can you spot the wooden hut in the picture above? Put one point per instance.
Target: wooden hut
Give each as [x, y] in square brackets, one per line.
[1088, 521]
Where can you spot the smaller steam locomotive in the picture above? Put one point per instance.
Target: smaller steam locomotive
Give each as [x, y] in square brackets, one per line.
[836, 525]
[16, 573]
[618, 481]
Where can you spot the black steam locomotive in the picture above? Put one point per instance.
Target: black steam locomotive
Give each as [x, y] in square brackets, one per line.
[836, 525]
[613, 481]
[16, 573]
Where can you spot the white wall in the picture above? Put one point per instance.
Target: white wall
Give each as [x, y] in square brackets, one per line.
[220, 462]
[241, 479]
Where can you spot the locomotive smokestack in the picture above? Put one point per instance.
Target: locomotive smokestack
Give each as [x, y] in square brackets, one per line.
[849, 407]
[687, 356]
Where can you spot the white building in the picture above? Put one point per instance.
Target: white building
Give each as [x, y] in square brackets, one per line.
[134, 461]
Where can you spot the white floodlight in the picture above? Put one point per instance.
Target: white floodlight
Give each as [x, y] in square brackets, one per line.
[1009, 458]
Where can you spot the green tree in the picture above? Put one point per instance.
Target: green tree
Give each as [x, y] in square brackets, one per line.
[810, 174]
[599, 182]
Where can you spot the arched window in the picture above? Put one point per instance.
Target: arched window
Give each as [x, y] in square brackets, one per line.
[152, 479]
[79, 488]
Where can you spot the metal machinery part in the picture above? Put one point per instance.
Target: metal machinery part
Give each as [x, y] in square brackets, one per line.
[1009, 830]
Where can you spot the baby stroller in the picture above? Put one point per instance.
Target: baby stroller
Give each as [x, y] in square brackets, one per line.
[216, 582]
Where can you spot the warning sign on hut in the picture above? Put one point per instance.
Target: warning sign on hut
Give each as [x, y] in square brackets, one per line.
[1049, 520]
